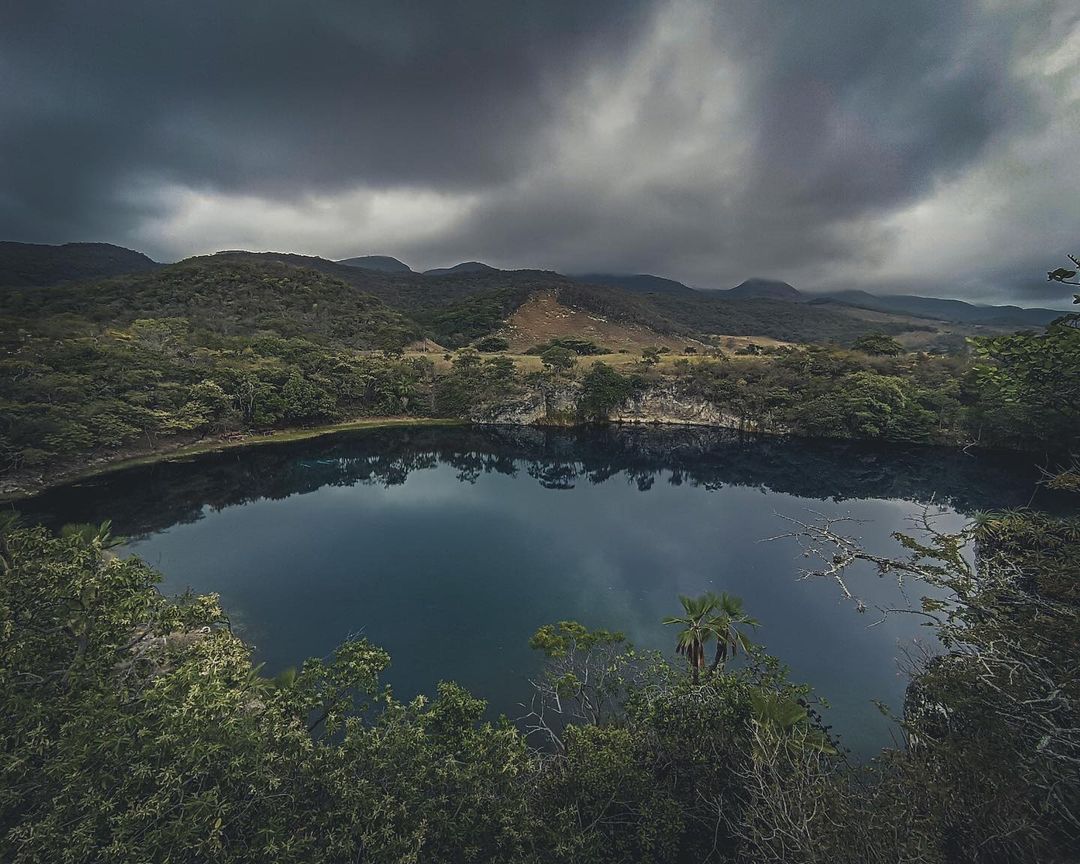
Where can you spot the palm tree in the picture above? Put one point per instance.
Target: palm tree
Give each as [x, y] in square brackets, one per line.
[725, 627]
[696, 631]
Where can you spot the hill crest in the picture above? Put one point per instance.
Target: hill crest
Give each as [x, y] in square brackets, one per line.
[463, 267]
[36, 265]
[381, 263]
[769, 289]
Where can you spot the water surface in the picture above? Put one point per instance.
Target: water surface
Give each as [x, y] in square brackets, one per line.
[450, 546]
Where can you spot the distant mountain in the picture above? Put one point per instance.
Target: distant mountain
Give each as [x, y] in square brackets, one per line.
[955, 311]
[767, 289]
[382, 263]
[639, 283]
[464, 267]
[33, 265]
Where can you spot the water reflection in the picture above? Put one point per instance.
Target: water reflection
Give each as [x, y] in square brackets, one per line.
[147, 499]
[450, 546]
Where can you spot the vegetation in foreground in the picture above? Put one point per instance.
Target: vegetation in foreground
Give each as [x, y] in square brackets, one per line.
[138, 729]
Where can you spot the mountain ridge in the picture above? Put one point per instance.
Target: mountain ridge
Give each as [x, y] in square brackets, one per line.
[938, 308]
[639, 283]
[770, 289]
[28, 265]
[463, 267]
[381, 263]
[24, 265]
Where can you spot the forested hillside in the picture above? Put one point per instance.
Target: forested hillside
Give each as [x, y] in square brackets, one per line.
[25, 264]
[235, 343]
[453, 306]
[223, 296]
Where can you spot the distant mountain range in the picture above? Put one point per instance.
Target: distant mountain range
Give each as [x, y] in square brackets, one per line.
[34, 265]
[938, 309]
[956, 311]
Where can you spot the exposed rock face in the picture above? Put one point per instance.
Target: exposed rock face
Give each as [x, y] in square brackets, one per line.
[665, 404]
[545, 406]
[556, 405]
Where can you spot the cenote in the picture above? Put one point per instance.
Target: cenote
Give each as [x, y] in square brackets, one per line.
[450, 546]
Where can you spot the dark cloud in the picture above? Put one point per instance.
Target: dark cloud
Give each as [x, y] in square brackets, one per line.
[831, 142]
[278, 98]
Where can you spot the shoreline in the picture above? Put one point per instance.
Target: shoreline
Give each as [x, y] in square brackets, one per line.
[26, 484]
[16, 488]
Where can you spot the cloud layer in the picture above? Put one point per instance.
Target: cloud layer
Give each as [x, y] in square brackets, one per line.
[921, 146]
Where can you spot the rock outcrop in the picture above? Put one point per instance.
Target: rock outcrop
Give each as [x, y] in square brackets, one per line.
[543, 406]
[664, 404]
[556, 405]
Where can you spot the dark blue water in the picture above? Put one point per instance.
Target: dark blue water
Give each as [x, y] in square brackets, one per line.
[450, 546]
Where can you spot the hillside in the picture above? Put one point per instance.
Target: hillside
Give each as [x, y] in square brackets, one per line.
[717, 313]
[220, 295]
[32, 264]
[542, 318]
[382, 263]
[455, 306]
[453, 309]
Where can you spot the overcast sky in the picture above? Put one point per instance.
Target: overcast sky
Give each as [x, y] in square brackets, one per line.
[922, 145]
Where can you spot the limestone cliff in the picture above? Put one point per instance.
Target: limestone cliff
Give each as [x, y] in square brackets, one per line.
[556, 405]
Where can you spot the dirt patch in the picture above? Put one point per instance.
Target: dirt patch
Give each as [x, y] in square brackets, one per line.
[542, 317]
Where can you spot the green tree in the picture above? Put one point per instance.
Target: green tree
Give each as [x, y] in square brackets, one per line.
[650, 356]
[878, 345]
[696, 631]
[492, 344]
[559, 360]
[725, 626]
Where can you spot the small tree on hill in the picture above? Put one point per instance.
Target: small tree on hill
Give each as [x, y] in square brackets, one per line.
[650, 356]
[558, 360]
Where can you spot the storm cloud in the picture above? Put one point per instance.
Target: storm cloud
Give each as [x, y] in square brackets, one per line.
[917, 146]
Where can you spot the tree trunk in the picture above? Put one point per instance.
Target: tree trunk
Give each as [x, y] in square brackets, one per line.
[721, 656]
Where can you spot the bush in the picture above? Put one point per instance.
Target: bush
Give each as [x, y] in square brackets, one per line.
[492, 344]
[603, 389]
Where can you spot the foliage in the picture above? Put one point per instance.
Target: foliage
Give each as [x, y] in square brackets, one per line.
[460, 322]
[474, 385]
[235, 343]
[140, 730]
[581, 347]
[1028, 386]
[492, 344]
[603, 389]
[992, 725]
[878, 344]
[690, 643]
[558, 360]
